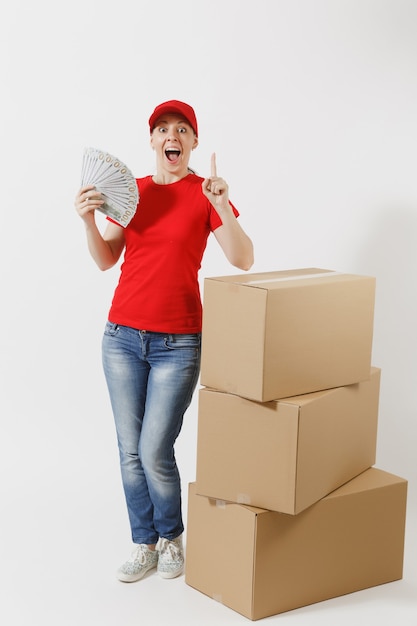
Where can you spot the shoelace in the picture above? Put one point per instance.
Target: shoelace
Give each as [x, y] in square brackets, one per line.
[164, 545]
[138, 554]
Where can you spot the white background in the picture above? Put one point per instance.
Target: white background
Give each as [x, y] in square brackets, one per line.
[311, 107]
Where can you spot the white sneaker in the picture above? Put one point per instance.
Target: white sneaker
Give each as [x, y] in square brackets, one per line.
[171, 557]
[141, 561]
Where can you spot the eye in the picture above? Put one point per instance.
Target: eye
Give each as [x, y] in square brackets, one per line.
[182, 129]
[161, 129]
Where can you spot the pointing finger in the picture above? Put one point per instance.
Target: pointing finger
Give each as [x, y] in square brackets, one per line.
[213, 165]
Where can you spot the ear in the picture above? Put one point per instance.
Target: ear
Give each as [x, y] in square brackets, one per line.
[195, 144]
[151, 142]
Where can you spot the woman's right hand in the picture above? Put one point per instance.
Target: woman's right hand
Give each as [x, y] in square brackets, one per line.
[87, 201]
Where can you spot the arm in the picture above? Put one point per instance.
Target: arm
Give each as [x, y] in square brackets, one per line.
[105, 248]
[233, 240]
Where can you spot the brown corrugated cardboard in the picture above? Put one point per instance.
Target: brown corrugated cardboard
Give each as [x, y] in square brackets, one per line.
[284, 455]
[279, 334]
[261, 563]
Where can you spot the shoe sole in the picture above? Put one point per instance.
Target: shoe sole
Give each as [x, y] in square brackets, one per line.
[171, 574]
[133, 578]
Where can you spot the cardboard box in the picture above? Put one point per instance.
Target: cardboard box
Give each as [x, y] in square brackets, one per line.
[284, 455]
[279, 334]
[261, 563]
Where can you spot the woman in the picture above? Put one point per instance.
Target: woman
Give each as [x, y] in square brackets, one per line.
[151, 342]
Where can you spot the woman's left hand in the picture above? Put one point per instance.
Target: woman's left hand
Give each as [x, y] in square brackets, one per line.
[216, 189]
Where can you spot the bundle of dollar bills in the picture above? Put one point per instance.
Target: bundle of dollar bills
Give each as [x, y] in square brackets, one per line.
[115, 182]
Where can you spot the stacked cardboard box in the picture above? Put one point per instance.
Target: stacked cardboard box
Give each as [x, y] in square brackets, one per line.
[287, 508]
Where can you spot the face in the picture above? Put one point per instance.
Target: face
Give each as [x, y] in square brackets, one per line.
[173, 139]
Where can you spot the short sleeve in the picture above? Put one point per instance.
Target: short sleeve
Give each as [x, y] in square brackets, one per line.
[215, 220]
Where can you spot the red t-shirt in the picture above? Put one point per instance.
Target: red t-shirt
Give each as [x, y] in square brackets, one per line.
[158, 289]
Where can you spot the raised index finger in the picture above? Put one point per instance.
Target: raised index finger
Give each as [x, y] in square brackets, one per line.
[213, 165]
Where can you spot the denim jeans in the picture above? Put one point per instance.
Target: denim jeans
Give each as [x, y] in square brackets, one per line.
[151, 378]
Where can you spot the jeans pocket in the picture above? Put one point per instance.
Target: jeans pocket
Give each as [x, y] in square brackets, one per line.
[183, 341]
[111, 329]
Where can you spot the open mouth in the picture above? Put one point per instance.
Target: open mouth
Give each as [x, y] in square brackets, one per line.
[172, 154]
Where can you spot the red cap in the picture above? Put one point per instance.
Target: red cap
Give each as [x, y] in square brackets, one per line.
[174, 106]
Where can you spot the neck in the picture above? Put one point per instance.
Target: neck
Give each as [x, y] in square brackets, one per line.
[165, 177]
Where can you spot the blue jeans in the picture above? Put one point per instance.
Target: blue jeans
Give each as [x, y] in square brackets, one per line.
[151, 378]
